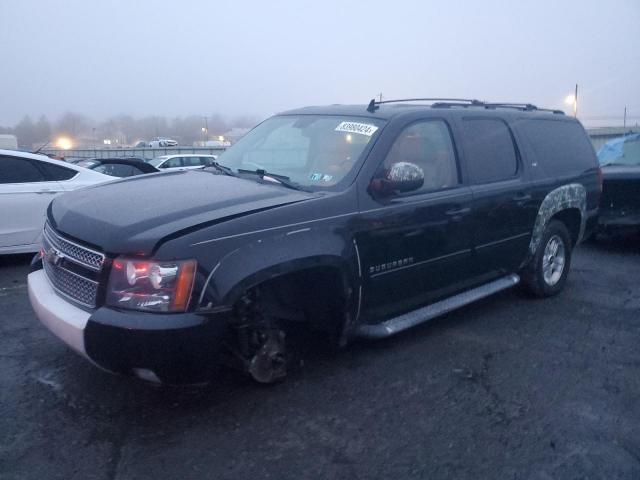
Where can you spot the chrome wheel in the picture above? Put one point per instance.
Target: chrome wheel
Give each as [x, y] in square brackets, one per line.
[553, 260]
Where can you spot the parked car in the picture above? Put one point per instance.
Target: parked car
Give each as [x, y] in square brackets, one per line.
[119, 167]
[182, 162]
[620, 205]
[361, 221]
[162, 142]
[28, 183]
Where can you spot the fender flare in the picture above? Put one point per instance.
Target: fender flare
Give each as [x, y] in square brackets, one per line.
[572, 195]
[268, 258]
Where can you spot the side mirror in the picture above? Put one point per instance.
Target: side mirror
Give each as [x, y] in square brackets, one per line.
[401, 177]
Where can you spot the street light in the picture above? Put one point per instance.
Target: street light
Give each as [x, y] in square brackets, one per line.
[573, 101]
[64, 143]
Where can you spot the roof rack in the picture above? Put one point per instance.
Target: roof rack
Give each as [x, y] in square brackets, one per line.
[464, 102]
[373, 104]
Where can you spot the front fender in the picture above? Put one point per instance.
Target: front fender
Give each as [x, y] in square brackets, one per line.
[271, 257]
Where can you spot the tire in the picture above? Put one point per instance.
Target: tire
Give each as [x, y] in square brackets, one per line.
[547, 272]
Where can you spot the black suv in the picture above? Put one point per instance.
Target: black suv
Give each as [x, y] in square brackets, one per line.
[360, 221]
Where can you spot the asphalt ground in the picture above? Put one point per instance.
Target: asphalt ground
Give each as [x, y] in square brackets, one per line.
[509, 387]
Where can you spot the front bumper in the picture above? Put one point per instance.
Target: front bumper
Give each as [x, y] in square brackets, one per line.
[175, 348]
[66, 321]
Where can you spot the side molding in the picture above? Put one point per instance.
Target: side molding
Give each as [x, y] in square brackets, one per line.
[572, 195]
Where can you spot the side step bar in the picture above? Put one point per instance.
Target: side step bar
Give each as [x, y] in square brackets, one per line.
[421, 315]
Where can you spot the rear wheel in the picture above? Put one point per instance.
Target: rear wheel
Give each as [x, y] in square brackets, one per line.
[547, 272]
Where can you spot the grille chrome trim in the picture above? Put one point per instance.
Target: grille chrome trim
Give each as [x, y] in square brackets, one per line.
[85, 296]
[71, 269]
[74, 252]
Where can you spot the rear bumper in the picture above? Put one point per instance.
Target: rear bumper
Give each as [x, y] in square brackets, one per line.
[175, 348]
[610, 219]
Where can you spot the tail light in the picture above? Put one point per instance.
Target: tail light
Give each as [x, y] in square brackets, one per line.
[600, 179]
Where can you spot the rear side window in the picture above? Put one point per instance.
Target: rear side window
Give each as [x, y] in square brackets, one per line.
[192, 161]
[558, 147]
[19, 170]
[56, 172]
[489, 150]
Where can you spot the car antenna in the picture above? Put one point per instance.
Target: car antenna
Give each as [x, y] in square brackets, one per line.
[42, 146]
[372, 106]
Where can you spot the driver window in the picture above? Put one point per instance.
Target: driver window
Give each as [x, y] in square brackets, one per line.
[428, 145]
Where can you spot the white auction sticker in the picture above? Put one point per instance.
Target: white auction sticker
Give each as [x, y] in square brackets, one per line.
[354, 127]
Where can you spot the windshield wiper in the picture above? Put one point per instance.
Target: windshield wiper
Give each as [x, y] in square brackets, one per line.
[223, 169]
[282, 179]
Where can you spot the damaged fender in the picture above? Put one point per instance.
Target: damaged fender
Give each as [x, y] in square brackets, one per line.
[271, 257]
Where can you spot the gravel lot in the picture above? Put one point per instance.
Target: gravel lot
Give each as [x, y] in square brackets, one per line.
[507, 388]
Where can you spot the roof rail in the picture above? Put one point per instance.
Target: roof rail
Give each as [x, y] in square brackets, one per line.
[373, 104]
[527, 107]
[464, 102]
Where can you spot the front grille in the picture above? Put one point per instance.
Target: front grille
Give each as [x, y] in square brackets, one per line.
[82, 255]
[71, 268]
[71, 285]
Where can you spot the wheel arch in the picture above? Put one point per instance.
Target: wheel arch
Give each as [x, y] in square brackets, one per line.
[272, 259]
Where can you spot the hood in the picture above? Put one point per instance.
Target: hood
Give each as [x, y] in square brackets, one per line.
[131, 216]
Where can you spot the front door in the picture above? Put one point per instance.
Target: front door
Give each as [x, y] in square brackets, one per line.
[416, 247]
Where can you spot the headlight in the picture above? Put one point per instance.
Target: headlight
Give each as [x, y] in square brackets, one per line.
[151, 285]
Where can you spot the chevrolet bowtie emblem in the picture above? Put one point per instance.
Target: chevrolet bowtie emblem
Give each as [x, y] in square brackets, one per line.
[54, 256]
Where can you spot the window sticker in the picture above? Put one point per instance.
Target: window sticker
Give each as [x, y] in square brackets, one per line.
[320, 177]
[354, 127]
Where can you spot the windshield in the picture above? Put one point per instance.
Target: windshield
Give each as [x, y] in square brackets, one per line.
[87, 163]
[315, 151]
[156, 161]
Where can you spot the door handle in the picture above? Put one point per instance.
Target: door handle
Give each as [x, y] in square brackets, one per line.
[522, 197]
[455, 212]
[45, 192]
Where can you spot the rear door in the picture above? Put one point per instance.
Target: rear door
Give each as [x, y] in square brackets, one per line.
[25, 193]
[503, 207]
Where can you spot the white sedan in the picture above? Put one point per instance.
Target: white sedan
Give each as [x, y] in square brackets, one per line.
[28, 183]
[185, 161]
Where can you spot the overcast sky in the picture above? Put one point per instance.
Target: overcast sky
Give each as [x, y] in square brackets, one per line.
[174, 58]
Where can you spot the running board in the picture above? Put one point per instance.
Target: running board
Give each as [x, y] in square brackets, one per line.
[416, 317]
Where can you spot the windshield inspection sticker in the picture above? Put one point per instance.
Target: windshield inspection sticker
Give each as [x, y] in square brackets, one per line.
[320, 177]
[353, 127]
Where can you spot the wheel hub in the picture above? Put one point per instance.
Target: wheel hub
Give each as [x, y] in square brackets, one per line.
[553, 260]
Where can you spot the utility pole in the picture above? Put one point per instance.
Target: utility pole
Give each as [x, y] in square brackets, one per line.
[575, 102]
[380, 95]
[624, 121]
